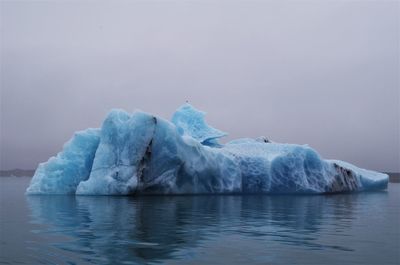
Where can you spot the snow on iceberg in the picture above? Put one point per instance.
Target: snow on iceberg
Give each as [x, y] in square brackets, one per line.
[143, 154]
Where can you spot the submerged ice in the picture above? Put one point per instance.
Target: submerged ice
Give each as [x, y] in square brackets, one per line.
[143, 154]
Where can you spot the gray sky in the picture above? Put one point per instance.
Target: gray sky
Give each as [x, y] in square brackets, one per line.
[324, 73]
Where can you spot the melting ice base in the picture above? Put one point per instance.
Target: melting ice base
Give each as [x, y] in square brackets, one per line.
[140, 153]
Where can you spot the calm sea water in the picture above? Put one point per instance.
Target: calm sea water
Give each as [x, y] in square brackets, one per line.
[359, 228]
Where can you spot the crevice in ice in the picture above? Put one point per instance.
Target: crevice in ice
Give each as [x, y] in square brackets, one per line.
[144, 162]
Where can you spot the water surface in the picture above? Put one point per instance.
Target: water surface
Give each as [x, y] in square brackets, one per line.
[362, 228]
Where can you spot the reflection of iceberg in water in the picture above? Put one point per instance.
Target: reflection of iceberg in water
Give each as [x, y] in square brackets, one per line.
[146, 229]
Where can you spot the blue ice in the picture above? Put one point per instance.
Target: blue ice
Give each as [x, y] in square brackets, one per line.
[138, 153]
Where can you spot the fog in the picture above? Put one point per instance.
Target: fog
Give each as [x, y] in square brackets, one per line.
[323, 73]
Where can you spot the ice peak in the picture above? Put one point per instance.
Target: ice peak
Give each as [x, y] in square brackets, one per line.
[190, 121]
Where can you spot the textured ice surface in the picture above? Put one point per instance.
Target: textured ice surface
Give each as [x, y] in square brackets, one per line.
[124, 139]
[62, 174]
[190, 121]
[140, 153]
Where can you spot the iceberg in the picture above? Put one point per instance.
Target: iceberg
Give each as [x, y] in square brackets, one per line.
[140, 153]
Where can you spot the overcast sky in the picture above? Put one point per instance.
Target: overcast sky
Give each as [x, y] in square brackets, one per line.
[325, 73]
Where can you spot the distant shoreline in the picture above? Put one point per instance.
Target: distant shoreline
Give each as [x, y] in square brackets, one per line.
[17, 173]
[393, 176]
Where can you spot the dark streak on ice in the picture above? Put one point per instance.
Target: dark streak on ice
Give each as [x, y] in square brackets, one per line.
[145, 159]
[344, 181]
